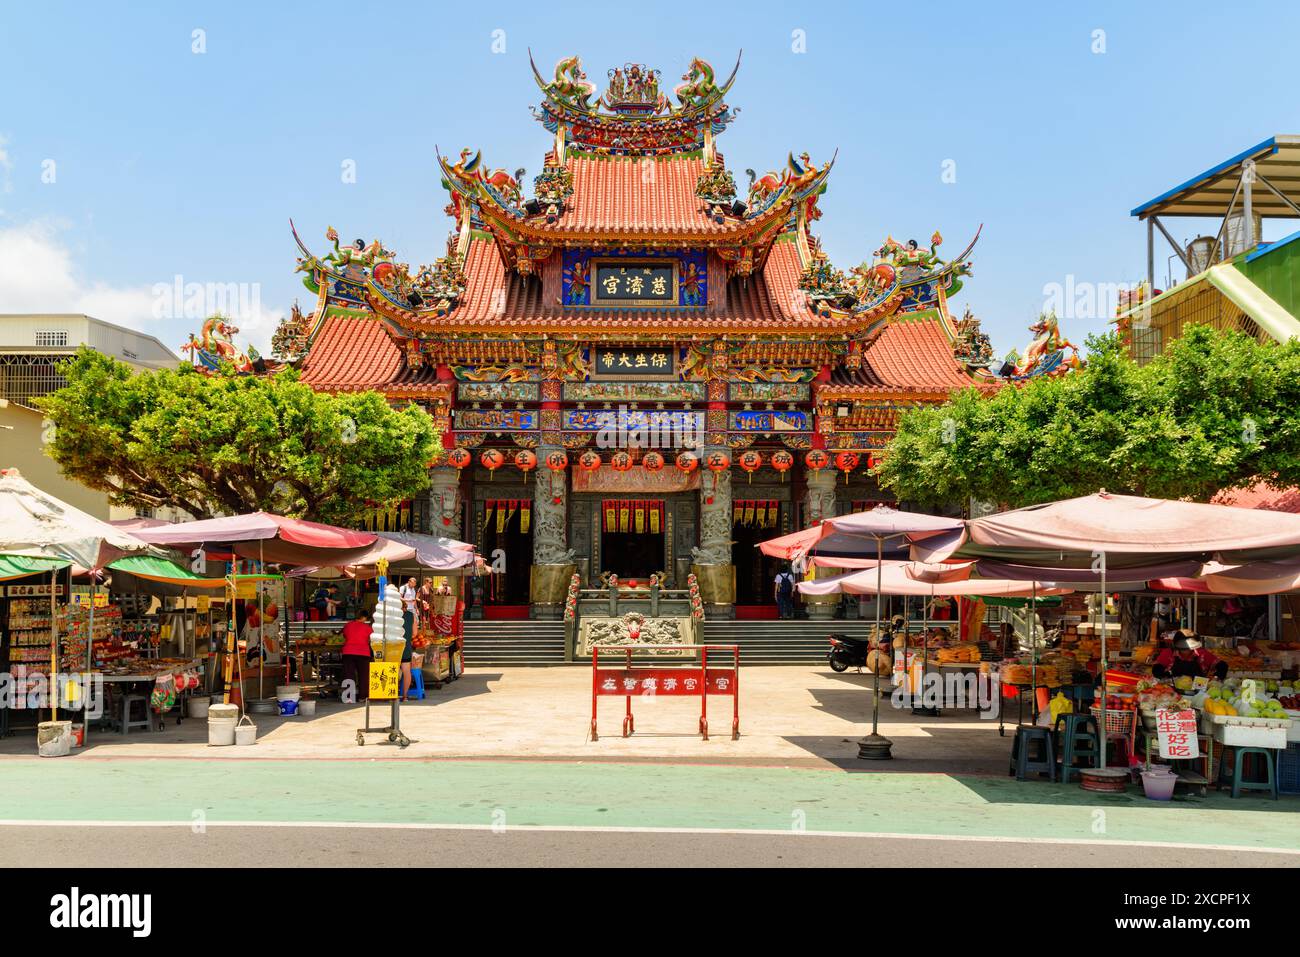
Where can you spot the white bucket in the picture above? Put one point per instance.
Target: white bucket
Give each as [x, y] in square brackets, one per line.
[288, 692]
[221, 731]
[221, 724]
[307, 706]
[198, 707]
[54, 739]
[245, 733]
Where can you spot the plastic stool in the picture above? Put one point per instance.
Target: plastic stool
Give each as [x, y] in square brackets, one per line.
[1270, 779]
[1115, 744]
[1022, 764]
[1078, 740]
[145, 722]
[416, 688]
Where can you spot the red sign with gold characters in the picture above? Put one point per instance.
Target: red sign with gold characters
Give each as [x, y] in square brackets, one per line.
[663, 681]
[631, 680]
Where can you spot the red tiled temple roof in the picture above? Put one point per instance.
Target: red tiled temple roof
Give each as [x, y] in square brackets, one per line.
[635, 195]
[908, 355]
[351, 354]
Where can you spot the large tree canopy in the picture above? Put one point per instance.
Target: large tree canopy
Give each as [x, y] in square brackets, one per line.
[1217, 410]
[230, 444]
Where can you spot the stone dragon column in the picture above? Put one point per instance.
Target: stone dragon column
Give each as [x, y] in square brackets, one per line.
[553, 563]
[712, 558]
[819, 503]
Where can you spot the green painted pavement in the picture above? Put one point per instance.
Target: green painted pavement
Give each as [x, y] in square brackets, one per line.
[574, 794]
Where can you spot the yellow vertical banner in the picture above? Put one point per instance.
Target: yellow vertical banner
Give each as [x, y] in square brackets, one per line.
[655, 513]
[640, 517]
[749, 513]
[525, 516]
[624, 515]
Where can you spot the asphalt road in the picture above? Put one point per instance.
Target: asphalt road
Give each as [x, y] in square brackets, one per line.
[306, 846]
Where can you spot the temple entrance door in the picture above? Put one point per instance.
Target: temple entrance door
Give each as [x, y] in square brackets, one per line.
[755, 572]
[632, 538]
[508, 550]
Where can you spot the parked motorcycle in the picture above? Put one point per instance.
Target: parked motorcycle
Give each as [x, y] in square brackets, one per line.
[847, 653]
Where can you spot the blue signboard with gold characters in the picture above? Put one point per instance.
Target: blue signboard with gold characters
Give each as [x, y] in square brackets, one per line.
[615, 279]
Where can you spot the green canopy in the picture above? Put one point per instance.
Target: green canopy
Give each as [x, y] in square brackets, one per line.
[21, 566]
[163, 570]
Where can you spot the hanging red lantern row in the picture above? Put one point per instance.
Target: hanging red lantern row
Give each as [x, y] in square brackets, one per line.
[492, 460]
[525, 461]
[589, 461]
[620, 461]
[816, 460]
[652, 462]
[782, 461]
[750, 461]
[459, 458]
[687, 462]
[846, 462]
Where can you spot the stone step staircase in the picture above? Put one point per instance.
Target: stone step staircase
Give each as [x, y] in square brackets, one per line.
[783, 642]
[497, 644]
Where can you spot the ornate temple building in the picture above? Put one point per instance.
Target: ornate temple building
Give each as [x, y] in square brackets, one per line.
[639, 366]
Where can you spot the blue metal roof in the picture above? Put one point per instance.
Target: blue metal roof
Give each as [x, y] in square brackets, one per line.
[1188, 190]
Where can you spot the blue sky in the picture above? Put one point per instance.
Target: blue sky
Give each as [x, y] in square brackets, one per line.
[168, 162]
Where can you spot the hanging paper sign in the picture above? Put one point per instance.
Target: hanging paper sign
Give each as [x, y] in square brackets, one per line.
[1176, 731]
[246, 589]
[385, 677]
[202, 604]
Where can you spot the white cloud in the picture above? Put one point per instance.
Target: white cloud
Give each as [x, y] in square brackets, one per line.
[38, 275]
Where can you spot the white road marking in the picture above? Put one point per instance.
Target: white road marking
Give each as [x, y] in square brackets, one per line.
[581, 829]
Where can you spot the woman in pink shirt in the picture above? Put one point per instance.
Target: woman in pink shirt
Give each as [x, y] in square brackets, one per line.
[356, 656]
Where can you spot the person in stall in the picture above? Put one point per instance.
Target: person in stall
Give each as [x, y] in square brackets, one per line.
[1188, 658]
[356, 655]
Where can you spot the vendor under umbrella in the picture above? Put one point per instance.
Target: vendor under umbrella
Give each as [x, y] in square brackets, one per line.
[1188, 658]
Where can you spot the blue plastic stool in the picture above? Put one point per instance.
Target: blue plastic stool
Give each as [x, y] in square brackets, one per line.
[1269, 783]
[1078, 740]
[1022, 763]
[416, 690]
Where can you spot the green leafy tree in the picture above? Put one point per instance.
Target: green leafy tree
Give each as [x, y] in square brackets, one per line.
[1217, 410]
[230, 444]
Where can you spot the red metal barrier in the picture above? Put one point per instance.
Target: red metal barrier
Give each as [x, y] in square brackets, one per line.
[640, 679]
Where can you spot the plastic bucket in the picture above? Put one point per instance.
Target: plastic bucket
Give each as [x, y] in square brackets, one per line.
[78, 735]
[288, 692]
[288, 706]
[198, 707]
[307, 707]
[1159, 785]
[221, 731]
[245, 732]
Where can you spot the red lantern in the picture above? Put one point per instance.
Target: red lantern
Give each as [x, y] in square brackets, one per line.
[846, 462]
[781, 461]
[816, 460]
[459, 458]
[718, 462]
[652, 461]
[557, 461]
[589, 461]
[525, 461]
[620, 461]
[492, 460]
[688, 461]
[750, 461]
